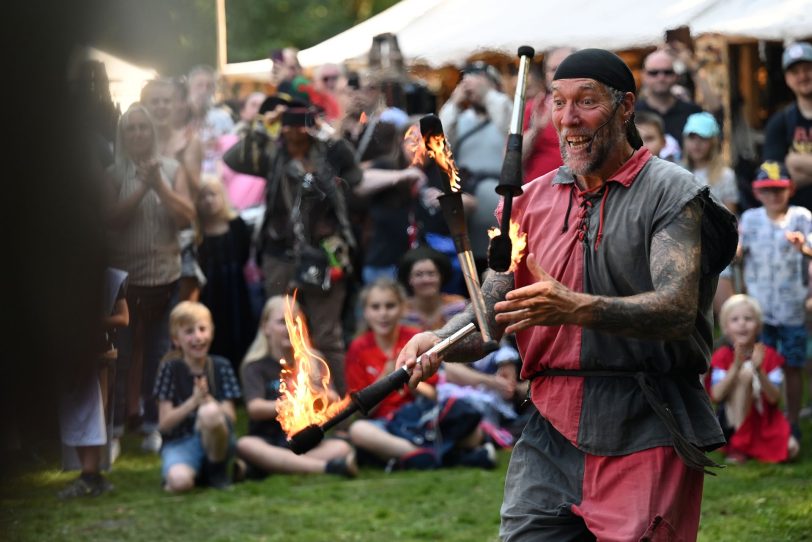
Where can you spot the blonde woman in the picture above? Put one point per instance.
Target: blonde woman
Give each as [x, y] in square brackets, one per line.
[150, 205]
[265, 450]
[223, 253]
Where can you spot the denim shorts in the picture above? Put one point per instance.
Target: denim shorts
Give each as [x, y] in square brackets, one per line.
[790, 341]
[189, 451]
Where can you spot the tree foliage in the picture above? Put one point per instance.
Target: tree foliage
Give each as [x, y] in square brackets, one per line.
[174, 35]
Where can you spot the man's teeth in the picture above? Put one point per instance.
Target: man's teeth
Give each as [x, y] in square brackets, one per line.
[577, 142]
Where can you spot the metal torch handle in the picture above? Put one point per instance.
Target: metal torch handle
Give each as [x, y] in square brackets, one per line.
[469, 273]
[517, 117]
[368, 398]
[449, 341]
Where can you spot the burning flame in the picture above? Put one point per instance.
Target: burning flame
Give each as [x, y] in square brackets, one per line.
[363, 118]
[413, 144]
[436, 148]
[306, 397]
[440, 150]
[518, 242]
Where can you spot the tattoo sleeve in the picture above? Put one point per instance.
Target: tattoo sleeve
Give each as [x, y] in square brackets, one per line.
[494, 288]
[669, 311]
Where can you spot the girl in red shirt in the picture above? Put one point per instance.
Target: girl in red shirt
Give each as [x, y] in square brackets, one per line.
[372, 356]
[746, 379]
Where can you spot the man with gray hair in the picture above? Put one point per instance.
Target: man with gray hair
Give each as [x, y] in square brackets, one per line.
[612, 313]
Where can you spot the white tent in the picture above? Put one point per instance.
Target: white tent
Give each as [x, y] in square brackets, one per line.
[779, 20]
[440, 32]
[256, 70]
[448, 31]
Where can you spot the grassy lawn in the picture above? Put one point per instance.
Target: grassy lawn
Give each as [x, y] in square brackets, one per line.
[748, 502]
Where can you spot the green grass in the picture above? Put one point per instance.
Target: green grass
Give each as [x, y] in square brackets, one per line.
[749, 502]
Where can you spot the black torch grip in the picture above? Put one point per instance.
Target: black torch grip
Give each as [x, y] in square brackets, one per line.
[367, 398]
[510, 180]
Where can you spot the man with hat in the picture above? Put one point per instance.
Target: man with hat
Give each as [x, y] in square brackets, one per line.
[612, 313]
[305, 239]
[788, 134]
[777, 276]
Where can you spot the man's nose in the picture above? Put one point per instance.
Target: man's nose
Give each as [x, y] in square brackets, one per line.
[569, 115]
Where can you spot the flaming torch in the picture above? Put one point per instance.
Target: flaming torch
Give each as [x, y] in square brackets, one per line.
[365, 400]
[439, 161]
[305, 395]
[500, 250]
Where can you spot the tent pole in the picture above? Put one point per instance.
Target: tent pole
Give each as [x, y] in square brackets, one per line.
[222, 56]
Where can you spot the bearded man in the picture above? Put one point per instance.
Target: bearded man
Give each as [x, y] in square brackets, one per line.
[612, 314]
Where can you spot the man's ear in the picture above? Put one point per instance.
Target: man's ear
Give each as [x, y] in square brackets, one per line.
[628, 105]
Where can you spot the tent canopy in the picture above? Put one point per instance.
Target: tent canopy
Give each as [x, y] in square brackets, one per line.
[439, 32]
[779, 20]
[448, 31]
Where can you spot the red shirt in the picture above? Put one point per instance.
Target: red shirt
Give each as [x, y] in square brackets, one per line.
[763, 435]
[365, 362]
[545, 155]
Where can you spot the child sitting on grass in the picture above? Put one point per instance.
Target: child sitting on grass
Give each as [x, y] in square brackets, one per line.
[746, 379]
[397, 432]
[196, 394]
[265, 449]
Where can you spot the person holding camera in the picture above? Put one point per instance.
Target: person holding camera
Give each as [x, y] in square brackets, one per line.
[476, 119]
[305, 238]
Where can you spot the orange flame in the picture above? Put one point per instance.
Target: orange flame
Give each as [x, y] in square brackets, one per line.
[413, 144]
[437, 148]
[440, 150]
[306, 397]
[363, 118]
[518, 242]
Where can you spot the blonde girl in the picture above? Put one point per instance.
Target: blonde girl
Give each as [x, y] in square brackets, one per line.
[265, 450]
[223, 254]
[746, 381]
[196, 394]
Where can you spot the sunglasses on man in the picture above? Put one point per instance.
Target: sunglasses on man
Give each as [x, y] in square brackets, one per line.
[655, 73]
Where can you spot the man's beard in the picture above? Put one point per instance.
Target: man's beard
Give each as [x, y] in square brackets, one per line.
[603, 140]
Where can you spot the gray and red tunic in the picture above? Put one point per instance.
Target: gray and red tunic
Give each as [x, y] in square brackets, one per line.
[599, 243]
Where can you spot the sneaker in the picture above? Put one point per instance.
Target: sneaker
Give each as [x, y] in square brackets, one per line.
[343, 466]
[102, 486]
[239, 470]
[795, 429]
[152, 442]
[86, 486]
[77, 488]
[735, 459]
[483, 457]
[420, 459]
[216, 475]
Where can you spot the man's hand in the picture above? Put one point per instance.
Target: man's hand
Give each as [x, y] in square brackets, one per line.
[427, 366]
[545, 302]
[271, 117]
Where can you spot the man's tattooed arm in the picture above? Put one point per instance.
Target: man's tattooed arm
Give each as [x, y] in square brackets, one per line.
[494, 288]
[669, 311]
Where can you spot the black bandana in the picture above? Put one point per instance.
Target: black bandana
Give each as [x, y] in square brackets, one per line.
[600, 65]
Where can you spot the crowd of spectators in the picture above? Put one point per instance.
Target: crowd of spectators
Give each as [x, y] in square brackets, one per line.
[217, 210]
